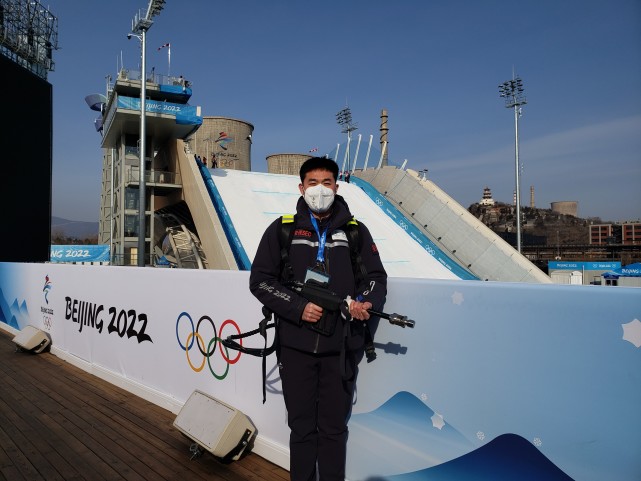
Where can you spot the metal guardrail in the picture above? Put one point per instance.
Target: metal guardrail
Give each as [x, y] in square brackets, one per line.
[153, 77]
[128, 260]
[153, 177]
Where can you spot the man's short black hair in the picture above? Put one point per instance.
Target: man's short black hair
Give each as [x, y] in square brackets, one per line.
[318, 163]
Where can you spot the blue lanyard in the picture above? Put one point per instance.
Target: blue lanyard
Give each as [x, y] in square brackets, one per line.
[320, 256]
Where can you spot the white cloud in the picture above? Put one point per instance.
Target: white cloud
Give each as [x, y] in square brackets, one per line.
[613, 137]
[591, 164]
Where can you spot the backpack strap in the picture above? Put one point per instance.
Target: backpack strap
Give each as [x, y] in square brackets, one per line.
[353, 239]
[285, 234]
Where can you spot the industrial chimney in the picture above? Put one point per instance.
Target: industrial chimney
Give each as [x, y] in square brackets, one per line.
[384, 142]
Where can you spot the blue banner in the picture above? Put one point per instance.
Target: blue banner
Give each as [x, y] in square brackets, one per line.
[80, 253]
[154, 106]
[176, 89]
[632, 270]
[578, 266]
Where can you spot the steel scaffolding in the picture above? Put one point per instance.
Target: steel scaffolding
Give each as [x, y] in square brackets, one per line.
[28, 35]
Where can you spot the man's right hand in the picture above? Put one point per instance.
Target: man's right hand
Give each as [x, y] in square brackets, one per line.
[312, 312]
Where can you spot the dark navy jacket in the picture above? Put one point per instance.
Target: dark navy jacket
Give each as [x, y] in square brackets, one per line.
[288, 305]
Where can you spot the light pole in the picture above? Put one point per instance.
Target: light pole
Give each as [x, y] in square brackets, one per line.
[344, 119]
[512, 91]
[139, 26]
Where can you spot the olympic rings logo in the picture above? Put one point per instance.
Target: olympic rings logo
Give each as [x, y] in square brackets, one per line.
[195, 337]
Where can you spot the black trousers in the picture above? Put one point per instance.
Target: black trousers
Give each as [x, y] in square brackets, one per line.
[318, 403]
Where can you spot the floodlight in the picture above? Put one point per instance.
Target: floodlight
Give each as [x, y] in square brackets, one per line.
[512, 91]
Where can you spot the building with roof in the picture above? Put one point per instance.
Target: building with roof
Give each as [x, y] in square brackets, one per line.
[624, 233]
[168, 117]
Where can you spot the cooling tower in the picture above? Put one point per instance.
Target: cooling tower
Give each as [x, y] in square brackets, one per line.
[226, 140]
[566, 207]
[286, 163]
[384, 142]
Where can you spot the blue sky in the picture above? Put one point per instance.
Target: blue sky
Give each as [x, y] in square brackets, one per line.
[288, 66]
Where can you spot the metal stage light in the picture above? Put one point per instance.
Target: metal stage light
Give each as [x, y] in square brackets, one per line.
[32, 339]
[344, 119]
[214, 426]
[512, 92]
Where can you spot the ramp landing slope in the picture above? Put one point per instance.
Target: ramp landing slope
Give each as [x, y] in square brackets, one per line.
[451, 228]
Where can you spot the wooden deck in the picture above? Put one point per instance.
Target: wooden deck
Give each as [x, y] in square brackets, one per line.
[58, 422]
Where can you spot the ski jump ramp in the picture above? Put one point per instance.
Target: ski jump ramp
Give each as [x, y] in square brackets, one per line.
[247, 202]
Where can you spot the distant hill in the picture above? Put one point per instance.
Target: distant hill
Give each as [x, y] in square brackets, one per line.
[73, 228]
[540, 226]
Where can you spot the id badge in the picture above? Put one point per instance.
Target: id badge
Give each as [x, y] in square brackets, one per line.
[317, 276]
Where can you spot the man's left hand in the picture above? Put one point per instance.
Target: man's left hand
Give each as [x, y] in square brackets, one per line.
[358, 310]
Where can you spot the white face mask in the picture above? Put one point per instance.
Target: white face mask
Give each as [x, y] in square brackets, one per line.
[319, 198]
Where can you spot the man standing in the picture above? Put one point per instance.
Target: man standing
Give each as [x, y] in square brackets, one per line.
[318, 366]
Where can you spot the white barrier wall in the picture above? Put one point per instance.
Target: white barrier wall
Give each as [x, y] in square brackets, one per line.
[505, 381]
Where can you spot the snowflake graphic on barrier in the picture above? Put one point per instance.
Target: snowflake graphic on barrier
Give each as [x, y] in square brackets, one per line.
[403, 225]
[423, 397]
[632, 332]
[379, 202]
[480, 435]
[437, 421]
[537, 442]
[457, 298]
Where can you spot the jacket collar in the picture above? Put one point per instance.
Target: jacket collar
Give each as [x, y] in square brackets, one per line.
[340, 213]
